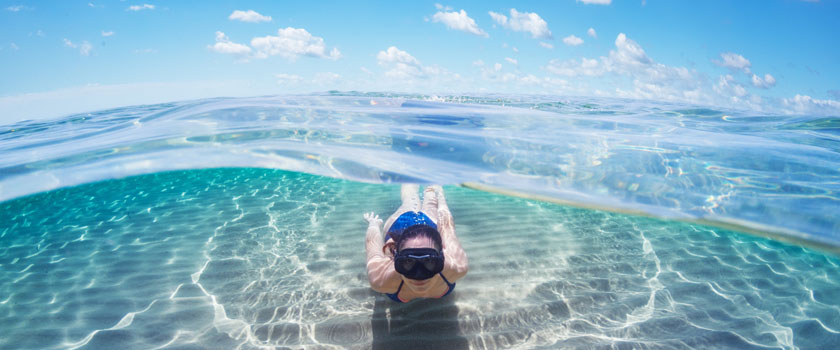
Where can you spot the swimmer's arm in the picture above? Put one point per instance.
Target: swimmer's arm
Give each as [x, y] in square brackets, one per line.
[456, 265]
[380, 268]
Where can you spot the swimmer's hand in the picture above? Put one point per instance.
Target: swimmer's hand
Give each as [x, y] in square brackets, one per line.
[373, 219]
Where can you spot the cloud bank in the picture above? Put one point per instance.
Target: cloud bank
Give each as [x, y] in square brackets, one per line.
[290, 43]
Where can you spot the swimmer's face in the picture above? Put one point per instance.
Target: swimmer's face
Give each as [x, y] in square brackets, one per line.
[418, 242]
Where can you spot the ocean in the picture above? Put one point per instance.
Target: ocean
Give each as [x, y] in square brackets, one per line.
[589, 223]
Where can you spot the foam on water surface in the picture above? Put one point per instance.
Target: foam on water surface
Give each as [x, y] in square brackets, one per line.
[265, 259]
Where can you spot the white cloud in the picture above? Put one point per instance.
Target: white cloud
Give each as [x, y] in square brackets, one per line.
[224, 45]
[443, 8]
[395, 55]
[84, 47]
[16, 8]
[458, 21]
[499, 18]
[248, 16]
[546, 45]
[572, 40]
[595, 2]
[145, 51]
[591, 32]
[649, 79]
[627, 58]
[628, 52]
[141, 7]
[512, 61]
[736, 62]
[478, 63]
[104, 33]
[807, 104]
[767, 82]
[400, 64]
[523, 22]
[14, 46]
[292, 43]
[402, 69]
[497, 67]
[729, 88]
[733, 61]
[631, 73]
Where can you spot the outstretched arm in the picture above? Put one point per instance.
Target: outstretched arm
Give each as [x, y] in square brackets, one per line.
[380, 268]
[456, 265]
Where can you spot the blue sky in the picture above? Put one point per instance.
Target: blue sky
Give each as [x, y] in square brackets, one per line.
[61, 57]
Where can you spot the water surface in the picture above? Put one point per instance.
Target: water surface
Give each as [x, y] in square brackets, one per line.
[771, 175]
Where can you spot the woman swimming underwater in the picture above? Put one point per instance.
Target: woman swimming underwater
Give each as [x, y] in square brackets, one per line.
[419, 256]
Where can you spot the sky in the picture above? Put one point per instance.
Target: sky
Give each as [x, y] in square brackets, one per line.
[767, 56]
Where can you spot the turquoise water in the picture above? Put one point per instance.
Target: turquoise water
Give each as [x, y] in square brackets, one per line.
[254, 259]
[171, 226]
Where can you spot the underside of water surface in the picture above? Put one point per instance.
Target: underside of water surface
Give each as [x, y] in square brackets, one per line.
[775, 176]
[244, 258]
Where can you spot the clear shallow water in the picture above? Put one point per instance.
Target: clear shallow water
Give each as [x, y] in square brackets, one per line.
[265, 259]
[776, 176]
[261, 259]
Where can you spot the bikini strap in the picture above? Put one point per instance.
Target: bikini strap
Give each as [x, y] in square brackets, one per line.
[446, 280]
[395, 295]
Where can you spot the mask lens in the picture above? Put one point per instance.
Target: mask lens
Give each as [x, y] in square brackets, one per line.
[408, 263]
[429, 264]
